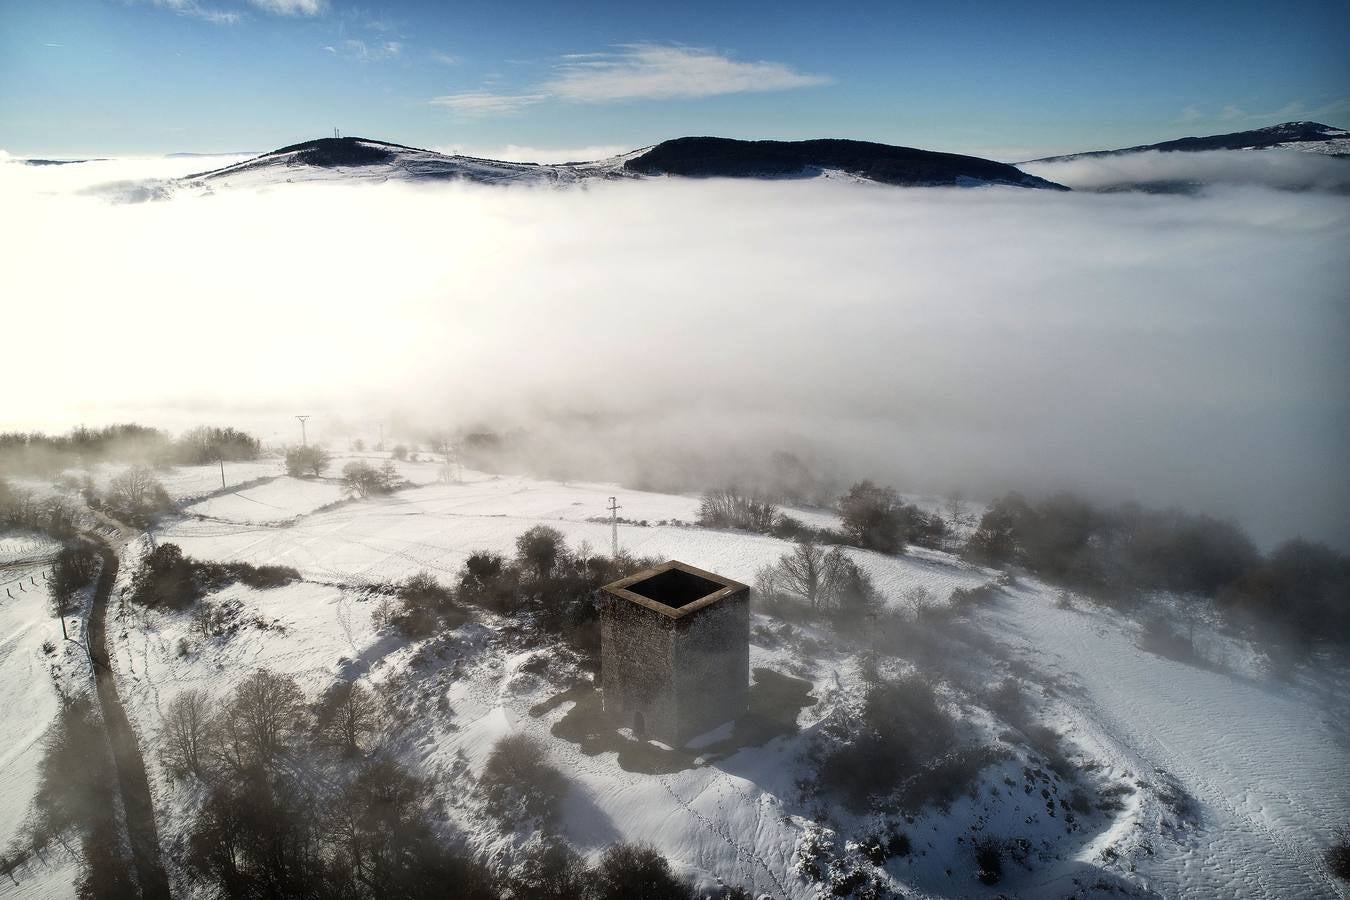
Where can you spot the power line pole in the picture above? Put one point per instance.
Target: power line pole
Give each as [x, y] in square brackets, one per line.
[614, 508]
[222, 473]
[303, 442]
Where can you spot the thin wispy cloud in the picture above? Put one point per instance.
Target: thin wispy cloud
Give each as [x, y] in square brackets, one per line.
[639, 72]
[542, 155]
[291, 7]
[486, 103]
[362, 51]
[657, 72]
[1294, 109]
[217, 16]
[196, 10]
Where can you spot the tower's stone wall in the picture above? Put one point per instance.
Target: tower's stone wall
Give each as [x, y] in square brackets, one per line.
[637, 660]
[676, 672]
[712, 665]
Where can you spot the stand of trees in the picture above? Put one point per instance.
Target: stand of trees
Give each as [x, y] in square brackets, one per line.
[205, 444]
[168, 579]
[307, 460]
[136, 497]
[826, 583]
[57, 517]
[548, 587]
[41, 455]
[303, 801]
[360, 479]
[872, 517]
[1302, 587]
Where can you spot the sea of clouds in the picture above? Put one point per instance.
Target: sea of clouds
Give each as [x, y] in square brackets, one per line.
[1285, 170]
[1176, 350]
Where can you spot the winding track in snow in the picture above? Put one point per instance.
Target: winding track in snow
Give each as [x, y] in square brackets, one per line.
[133, 784]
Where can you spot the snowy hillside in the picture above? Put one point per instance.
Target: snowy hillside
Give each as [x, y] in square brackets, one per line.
[1135, 774]
[360, 160]
[1307, 137]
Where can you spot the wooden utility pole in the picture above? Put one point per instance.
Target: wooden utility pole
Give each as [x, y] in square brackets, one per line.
[222, 473]
[303, 442]
[614, 508]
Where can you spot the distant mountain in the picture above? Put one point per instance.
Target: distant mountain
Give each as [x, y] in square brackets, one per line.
[705, 157]
[355, 158]
[56, 162]
[363, 159]
[1309, 137]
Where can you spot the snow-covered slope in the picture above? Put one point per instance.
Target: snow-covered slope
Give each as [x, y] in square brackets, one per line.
[353, 159]
[359, 159]
[1308, 137]
[1210, 781]
[35, 666]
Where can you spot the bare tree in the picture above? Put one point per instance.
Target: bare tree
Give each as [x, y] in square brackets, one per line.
[136, 495]
[257, 724]
[183, 733]
[204, 620]
[75, 567]
[347, 716]
[846, 589]
[311, 459]
[133, 487]
[803, 570]
[729, 508]
[956, 508]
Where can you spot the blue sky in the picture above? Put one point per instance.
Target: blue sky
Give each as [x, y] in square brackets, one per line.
[1004, 80]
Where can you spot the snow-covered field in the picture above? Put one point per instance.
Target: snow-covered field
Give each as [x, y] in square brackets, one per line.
[436, 526]
[1262, 762]
[29, 700]
[273, 501]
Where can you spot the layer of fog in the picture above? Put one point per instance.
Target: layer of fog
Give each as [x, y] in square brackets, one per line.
[1173, 350]
[1289, 170]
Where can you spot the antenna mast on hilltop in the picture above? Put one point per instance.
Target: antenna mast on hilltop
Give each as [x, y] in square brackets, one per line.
[614, 508]
[303, 442]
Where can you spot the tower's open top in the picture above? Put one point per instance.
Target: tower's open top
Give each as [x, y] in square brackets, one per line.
[674, 589]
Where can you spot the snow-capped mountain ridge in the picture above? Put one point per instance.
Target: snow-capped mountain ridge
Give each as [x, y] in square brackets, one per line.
[1309, 137]
[364, 159]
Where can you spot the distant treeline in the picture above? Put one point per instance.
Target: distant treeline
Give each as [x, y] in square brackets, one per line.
[1113, 553]
[41, 455]
[1302, 586]
[59, 517]
[871, 517]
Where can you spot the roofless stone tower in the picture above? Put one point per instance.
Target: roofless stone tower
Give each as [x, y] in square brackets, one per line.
[675, 651]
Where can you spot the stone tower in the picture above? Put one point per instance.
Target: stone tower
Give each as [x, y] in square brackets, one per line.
[674, 651]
